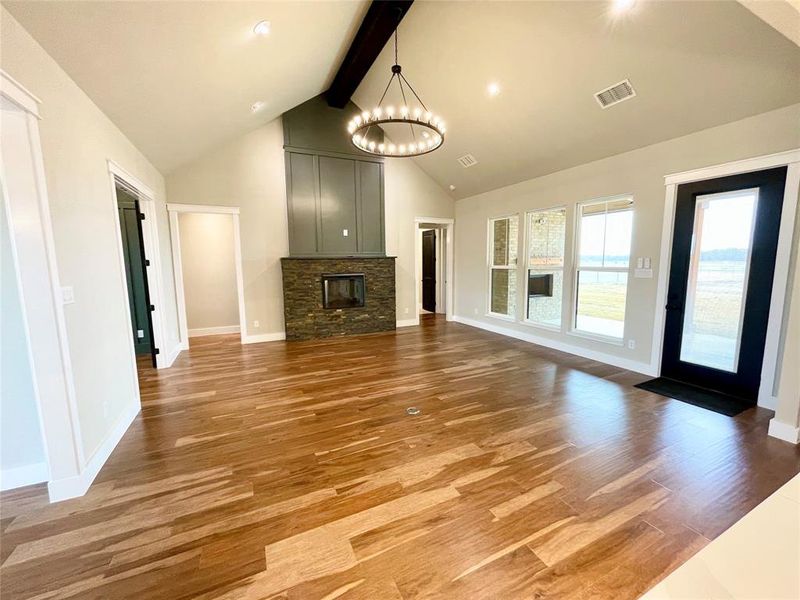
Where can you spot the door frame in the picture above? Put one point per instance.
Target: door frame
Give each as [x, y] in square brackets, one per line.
[47, 343]
[147, 206]
[448, 225]
[767, 394]
[174, 211]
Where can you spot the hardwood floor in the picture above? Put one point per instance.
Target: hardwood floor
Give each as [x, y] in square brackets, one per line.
[292, 470]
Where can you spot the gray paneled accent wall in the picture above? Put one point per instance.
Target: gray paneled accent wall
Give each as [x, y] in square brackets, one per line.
[335, 192]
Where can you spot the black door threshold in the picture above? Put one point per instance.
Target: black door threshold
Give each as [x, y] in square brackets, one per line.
[717, 402]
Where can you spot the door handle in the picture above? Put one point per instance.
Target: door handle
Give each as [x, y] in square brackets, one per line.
[674, 307]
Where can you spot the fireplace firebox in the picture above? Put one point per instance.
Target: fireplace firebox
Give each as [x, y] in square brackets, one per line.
[343, 290]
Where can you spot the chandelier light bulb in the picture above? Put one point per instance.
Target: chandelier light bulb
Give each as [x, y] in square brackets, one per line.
[365, 116]
[402, 149]
[392, 148]
[390, 111]
[404, 111]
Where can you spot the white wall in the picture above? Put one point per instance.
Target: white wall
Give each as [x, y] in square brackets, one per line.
[249, 172]
[77, 141]
[639, 172]
[410, 193]
[21, 445]
[209, 270]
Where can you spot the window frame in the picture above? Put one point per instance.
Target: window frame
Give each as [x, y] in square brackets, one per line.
[563, 268]
[576, 269]
[490, 266]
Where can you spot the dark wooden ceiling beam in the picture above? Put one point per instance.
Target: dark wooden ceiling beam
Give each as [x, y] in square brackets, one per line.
[376, 29]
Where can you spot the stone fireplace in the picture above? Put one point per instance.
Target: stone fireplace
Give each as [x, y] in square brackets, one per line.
[324, 297]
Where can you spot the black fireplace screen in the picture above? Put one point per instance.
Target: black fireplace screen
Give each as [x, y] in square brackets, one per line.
[342, 290]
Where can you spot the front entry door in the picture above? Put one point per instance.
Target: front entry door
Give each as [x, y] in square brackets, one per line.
[429, 270]
[720, 282]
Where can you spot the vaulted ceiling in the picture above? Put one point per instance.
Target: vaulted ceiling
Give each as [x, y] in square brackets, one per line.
[179, 78]
[693, 65]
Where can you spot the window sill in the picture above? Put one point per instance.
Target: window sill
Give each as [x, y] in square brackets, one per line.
[542, 326]
[605, 339]
[501, 317]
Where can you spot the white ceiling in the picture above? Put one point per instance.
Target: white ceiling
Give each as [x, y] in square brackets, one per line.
[693, 65]
[179, 78]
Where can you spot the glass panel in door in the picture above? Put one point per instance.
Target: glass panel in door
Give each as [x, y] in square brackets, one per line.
[717, 284]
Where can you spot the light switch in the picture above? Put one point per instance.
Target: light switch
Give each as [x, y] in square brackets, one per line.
[67, 295]
[140, 333]
[345, 232]
[647, 263]
[639, 262]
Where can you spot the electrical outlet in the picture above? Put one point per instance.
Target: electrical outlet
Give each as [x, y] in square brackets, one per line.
[67, 294]
[255, 324]
[406, 310]
[345, 233]
[632, 344]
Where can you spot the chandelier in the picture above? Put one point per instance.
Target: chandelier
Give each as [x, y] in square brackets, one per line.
[426, 130]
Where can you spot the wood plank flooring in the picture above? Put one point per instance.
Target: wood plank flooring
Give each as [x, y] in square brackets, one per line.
[292, 471]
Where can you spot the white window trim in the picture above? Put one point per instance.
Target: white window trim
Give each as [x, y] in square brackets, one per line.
[563, 268]
[490, 266]
[576, 268]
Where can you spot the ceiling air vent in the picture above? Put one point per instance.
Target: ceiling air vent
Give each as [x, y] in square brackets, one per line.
[467, 161]
[615, 94]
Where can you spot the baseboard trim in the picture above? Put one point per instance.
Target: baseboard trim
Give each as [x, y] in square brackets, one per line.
[73, 487]
[609, 359]
[264, 337]
[213, 330]
[784, 431]
[18, 477]
[407, 322]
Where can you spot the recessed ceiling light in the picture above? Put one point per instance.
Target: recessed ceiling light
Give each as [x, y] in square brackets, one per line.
[452, 188]
[257, 106]
[620, 6]
[262, 28]
[493, 89]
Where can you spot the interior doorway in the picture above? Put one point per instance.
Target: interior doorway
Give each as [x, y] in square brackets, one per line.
[207, 263]
[433, 266]
[136, 263]
[431, 280]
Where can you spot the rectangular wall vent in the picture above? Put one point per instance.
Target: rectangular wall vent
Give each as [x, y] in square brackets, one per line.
[467, 161]
[615, 94]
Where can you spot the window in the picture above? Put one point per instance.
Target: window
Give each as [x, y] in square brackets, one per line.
[601, 274]
[546, 234]
[503, 234]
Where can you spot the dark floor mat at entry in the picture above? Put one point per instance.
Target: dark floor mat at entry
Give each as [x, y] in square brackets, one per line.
[708, 399]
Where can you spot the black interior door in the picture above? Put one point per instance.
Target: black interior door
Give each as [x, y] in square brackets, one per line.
[429, 270]
[720, 282]
[136, 273]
